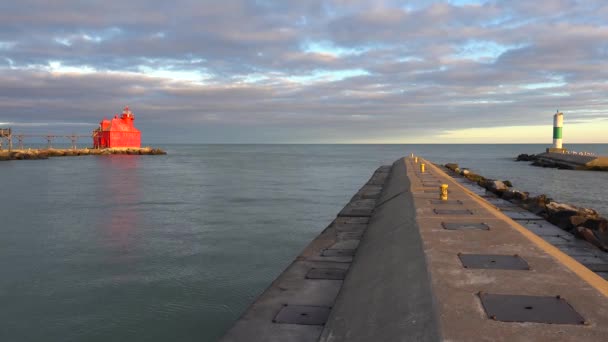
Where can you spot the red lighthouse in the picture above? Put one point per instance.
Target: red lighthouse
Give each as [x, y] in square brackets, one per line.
[118, 132]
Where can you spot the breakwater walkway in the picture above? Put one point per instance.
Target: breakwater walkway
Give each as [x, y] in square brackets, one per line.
[568, 161]
[399, 264]
[29, 154]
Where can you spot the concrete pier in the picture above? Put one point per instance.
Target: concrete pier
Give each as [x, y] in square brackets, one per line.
[398, 264]
[584, 252]
[572, 161]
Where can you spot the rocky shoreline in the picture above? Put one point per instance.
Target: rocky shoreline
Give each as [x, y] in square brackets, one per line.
[583, 223]
[32, 154]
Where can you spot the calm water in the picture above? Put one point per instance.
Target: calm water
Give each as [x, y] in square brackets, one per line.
[157, 248]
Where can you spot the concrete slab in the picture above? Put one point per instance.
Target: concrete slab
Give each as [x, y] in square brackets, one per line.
[379, 178]
[350, 235]
[522, 215]
[350, 227]
[505, 205]
[476, 189]
[351, 220]
[359, 208]
[575, 252]
[302, 315]
[293, 288]
[556, 240]
[449, 213]
[594, 264]
[345, 244]
[541, 227]
[368, 192]
[326, 273]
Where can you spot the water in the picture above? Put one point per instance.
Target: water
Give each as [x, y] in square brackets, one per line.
[157, 248]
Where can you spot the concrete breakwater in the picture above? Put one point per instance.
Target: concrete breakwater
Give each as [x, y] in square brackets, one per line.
[584, 223]
[48, 153]
[566, 161]
[400, 264]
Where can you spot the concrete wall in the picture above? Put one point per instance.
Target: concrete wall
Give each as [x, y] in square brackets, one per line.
[387, 294]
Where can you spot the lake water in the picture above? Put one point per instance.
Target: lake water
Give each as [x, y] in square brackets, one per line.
[158, 248]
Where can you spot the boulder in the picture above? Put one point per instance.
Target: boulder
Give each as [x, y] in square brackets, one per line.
[514, 194]
[158, 151]
[475, 178]
[526, 157]
[568, 217]
[536, 204]
[508, 183]
[596, 224]
[465, 172]
[521, 195]
[577, 220]
[562, 219]
[598, 239]
[451, 166]
[495, 186]
[555, 207]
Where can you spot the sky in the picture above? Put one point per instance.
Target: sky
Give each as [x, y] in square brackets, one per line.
[308, 71]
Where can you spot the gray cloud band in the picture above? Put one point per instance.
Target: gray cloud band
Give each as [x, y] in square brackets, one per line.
[316, 69]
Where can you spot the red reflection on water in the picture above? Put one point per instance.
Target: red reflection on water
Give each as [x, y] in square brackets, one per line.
[122, 193]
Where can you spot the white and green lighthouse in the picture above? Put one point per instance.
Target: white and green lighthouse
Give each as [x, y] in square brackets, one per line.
[558, 125]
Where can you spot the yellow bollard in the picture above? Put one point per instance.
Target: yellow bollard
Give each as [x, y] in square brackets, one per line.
[416, 160]
[443, 192]
[422, 168]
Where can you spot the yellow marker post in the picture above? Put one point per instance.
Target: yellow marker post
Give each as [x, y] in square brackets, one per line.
[422, 168]
[443, 192]
[416, 160]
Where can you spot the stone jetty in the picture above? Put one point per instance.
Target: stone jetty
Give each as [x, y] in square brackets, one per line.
[29, 154]
[400, 264]
[566, 161]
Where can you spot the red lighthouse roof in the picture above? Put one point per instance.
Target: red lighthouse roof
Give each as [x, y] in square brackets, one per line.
[117, 132]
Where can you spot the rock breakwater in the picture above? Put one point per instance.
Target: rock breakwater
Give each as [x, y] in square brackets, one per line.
[31, 154]
[566, 161]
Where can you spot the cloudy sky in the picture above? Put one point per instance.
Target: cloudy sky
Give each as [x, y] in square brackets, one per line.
[339, 71]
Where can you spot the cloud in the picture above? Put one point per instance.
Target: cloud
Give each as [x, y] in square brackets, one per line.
[312, 71]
